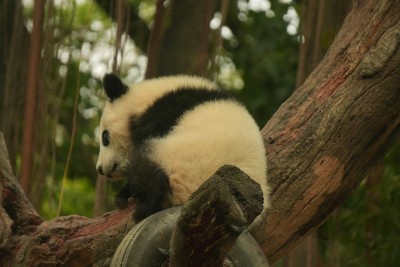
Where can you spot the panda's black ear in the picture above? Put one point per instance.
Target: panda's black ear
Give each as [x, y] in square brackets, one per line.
[113, 86]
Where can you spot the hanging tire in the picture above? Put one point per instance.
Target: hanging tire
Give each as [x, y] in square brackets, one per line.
[147, 244]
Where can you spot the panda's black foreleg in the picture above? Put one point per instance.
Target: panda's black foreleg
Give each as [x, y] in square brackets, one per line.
[149, 185]
[122, 197]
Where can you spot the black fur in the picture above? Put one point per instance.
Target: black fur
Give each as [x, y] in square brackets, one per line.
[121, 198]
[113, 86]
[147, 182]
[159, 119]
[149, 185]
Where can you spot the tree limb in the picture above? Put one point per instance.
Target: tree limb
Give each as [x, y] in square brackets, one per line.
[26, 240]
[214, 217]
[323, 139]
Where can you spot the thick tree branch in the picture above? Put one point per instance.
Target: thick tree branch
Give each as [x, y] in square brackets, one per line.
[225, 205]
[335, 126]
[25, 240]
[75, 241]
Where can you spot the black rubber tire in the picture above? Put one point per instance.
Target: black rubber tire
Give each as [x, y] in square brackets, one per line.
[147, 244]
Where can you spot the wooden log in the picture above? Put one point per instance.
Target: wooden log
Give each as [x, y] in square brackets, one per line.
[214, 217]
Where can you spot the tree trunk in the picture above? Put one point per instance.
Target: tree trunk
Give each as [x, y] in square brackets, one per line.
[319, 143]
[136, 27]
[14, 41]
[321, 21]
[31, 94]
[225, 205]
[180, 35]
[323, 139]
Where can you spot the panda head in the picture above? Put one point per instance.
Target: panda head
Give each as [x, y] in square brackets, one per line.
[114, 138]
[124, 104]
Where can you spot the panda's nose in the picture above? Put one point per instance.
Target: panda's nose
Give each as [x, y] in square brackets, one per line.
[106, 171]
[100, 169]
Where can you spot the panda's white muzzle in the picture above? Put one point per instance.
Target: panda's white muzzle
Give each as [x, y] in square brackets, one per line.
[108, 172]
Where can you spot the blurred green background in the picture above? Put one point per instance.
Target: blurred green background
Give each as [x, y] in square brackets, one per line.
[255, 56]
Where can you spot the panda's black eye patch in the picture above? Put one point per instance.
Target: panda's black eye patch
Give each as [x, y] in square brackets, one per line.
[105, 138]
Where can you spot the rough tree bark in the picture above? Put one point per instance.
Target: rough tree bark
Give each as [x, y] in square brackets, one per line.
[323, 139]
[225, 207]
[320, 22]
[319, 144]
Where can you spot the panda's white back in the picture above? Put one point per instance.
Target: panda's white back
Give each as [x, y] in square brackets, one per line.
[206, 138]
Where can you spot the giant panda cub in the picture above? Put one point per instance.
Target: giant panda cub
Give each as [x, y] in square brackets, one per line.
[168, 135]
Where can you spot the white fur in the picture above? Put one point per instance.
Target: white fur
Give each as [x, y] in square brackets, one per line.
[207, 137]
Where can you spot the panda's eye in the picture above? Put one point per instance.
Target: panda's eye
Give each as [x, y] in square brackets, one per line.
[105, 138]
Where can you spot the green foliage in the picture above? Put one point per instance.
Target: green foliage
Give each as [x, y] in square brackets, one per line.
[365, 231]
[78, 198]
[85, 147]
[73, 31]
[261, 59]
[266, 58]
